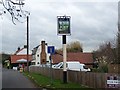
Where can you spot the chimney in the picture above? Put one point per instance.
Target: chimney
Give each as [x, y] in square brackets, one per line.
[25, 46]
[18, 48]
[43, 53]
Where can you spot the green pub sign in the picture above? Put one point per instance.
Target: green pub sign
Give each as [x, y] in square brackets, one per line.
[63, 25]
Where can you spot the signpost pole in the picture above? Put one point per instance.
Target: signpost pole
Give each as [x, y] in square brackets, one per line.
[64, 29]
[64, 59]
[51, 50]
[51, 70]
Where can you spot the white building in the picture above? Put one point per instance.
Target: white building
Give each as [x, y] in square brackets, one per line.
[36, 55]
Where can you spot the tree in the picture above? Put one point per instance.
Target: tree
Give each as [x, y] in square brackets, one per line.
[4, 57]
[72, 47]
[106, 53]
[14, 8]
[118, 36]
[118, 45]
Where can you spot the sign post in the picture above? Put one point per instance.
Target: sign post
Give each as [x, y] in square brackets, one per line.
[51, 50]
[64, 59]
[64, 29]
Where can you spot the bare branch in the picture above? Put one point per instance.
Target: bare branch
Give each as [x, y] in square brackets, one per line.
[17, 3]
[15, 10]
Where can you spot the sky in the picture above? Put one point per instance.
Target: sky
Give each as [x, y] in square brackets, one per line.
[92, 22]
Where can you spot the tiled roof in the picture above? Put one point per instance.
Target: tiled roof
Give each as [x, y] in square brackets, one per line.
[79, 56]
[14, 58]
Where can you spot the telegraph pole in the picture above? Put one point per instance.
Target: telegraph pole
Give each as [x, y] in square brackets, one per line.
[28, 43]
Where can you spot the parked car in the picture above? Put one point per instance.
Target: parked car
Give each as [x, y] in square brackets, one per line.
[72, 65]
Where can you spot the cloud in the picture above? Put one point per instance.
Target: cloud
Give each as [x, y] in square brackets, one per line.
[91, 24]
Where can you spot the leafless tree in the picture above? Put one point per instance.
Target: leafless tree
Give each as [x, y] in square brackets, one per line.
[118, 44]
[106, 53]
[14, 8]
[118, 36]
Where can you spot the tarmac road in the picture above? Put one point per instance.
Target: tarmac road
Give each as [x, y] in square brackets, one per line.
[15, 79]
[0, 76]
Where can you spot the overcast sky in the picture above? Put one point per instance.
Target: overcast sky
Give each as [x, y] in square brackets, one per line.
[92, 23]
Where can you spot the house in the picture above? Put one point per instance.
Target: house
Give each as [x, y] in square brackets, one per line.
[40, 55]
[21, 53]
[86, 58]
[35, 55]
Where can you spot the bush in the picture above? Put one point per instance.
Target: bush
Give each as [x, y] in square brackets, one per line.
[102, 69]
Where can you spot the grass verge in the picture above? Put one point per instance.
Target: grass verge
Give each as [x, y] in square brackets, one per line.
[45, 82]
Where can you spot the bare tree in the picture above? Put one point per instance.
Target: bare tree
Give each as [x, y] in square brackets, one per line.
[106, 53]
[118, 36]
[118, 44]
[14, 8]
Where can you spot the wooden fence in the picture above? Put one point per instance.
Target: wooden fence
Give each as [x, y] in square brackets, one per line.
[90, 79]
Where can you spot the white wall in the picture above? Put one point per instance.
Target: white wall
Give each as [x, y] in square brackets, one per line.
[38, 60]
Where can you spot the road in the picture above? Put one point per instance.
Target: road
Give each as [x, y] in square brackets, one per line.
[15, 79]
[0, 76]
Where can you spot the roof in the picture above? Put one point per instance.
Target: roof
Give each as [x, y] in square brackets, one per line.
[20, 54]
[22, 51]
[79, 56]
[14, 58]
[35, 50]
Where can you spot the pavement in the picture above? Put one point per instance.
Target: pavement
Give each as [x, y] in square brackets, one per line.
[14, 79]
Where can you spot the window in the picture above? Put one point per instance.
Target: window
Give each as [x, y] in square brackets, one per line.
[66, 65]
[85, 67]
[61, 66]
[38, 55]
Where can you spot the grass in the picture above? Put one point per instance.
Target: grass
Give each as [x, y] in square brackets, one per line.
[43, 81]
